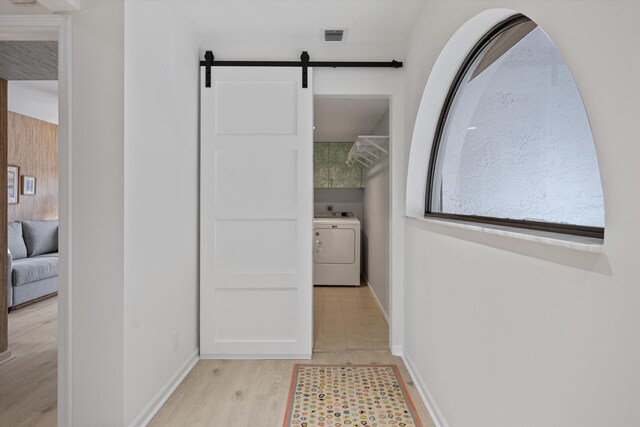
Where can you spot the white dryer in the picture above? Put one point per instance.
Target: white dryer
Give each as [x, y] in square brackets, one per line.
[336, 251]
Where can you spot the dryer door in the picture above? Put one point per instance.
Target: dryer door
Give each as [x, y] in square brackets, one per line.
[334, 245]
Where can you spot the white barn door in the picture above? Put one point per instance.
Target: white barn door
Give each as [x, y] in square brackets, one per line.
[256, 213]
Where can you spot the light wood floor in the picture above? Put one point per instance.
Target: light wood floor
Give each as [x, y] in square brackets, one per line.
[216, 393]
[347, 318]
[348, 329]
[28, 383]
[253, 393]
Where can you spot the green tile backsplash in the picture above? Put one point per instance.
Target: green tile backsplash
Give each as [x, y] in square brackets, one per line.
[330, 169]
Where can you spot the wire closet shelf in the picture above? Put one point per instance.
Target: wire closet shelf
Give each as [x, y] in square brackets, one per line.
[367, 150]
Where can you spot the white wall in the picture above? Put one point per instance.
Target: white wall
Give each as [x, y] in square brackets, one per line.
[97, 214]
[35, 98]
[133, 214]
[376, 221]
[161, 203]
[506, 332]
[342, 199]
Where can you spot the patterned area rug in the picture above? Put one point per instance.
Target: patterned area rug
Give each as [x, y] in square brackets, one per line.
[349, 396]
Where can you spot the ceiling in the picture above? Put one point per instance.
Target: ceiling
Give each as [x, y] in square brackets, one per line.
[38, 99]
[29, 60]
[374, 29]
[282, 20]
[343, 119]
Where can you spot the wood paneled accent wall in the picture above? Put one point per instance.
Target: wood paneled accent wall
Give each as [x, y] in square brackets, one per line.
[33, 146]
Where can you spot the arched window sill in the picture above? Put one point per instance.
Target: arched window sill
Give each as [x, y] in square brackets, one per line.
[579, 243]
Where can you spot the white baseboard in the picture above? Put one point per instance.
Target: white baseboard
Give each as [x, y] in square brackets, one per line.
[375, 297]
[161, 397]
[397, 350]
[436, 415]
[254, 356]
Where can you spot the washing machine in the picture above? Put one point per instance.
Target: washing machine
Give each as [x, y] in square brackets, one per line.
[336, 249]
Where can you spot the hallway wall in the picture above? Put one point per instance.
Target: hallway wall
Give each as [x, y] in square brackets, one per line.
[97, 215]
[376, 223]
[161, 204]
[133, 214]
[507, 332]
[91, 368]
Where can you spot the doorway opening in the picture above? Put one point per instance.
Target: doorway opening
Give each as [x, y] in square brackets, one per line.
[351, 223]
[30, 280]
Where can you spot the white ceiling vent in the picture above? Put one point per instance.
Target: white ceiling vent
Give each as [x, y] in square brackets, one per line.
[333, 35]
[23, 1]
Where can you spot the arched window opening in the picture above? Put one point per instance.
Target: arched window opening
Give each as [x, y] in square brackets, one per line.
[513, 144]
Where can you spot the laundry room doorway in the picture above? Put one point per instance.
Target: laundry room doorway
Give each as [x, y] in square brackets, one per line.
[257, 204]
[351, 223]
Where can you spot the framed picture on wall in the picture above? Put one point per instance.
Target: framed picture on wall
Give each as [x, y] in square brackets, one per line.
[13, 182]
[28, 185]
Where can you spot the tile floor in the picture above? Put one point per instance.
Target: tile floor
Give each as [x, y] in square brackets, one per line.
[347, 318]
